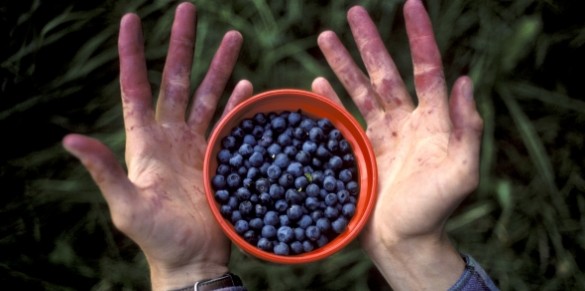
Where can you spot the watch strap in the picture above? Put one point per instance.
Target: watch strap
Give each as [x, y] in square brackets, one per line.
[224, 281]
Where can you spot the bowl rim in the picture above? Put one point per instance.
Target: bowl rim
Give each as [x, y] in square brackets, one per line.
[368, 178]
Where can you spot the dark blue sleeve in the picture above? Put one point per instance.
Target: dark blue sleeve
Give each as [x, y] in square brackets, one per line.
[474, 278]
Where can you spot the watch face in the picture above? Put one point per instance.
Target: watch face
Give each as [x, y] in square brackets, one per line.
[227, 280]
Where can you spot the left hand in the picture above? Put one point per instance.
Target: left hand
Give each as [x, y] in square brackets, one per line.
[160, 203]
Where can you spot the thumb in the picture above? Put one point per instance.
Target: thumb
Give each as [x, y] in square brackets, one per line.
[102, 166]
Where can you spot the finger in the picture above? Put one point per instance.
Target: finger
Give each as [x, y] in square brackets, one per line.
[384, 75]
[465, 140]
[135, 88]
[322, 87]
[103, 167]
[351, 77]
[428, 70]
[213, 84]
[174, 94]
[242, 91]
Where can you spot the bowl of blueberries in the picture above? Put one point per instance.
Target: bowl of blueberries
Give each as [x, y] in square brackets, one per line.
[290, 176]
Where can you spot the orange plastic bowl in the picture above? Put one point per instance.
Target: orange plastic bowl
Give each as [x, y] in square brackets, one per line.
[315, 106]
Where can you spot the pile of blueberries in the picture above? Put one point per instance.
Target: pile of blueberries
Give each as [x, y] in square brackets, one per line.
[286, 181]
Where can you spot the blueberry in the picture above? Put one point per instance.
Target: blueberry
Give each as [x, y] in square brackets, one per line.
[329, 183]
[245, 150]
[312, 190]
[242, 171]
[348, 160]
[293, 196]
[294, 212]
[256, 159]
[260, 118]
[315, 215]
[344, 146]
[253, 173]
[233, 180]
[308, 246]
[247, 125]
[305, 221]
[265, 198]
[286, 180]
[218, 182]
[251, 237]
[260, 210]
[335, 134]
[285, 234]
[325, 124]
[348, 210]
[322, 153]
[312, 203]
[296, 247]
[280, 205]
[299, 133]
[238, 133]
[281, 160]
[273, 172]
[275, 192]
[306, 124]
[316, 134]
[228, 142]
[265, 140]
[303, 157]
[281, 249]
[260, 149]
[264, 168]
[268, 231]
[225, 210]
[241, 226]
[264, 244]
[309, 147]
[258, 131]
[233, 202]
[235, 216]
[247, 182]
[301, 182]
[323, 224]
[294, 118]
[345, 175]
[331, 212]
[243, 194]
[223, 156]
[290, 151]
[249, 139]
[274, 149]
[256, 223]
[236, 160]
[278, 124]
[333, 145]
[295, 168]
[223, 169]
[299, 233]
[342, 196]
[352, 187]
[317, 176]
[271, 218]
[335, 163]
[322, 241]
[245, 208]
[262, 185]
[284, 220]
[284, 139]
[331, 199]
[313, 233]
[339, 225]
[222, 196]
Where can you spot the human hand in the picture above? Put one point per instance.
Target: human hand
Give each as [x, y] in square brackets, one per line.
[427, 155]
[160, 203]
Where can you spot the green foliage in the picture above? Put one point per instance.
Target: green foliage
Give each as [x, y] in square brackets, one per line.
[58, 74]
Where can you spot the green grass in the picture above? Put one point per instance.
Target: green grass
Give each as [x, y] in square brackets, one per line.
[58, 74]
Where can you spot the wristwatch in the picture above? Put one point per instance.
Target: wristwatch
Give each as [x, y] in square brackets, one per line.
[224, 281]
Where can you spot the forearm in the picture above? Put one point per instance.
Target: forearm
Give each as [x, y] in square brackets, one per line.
[418, 264]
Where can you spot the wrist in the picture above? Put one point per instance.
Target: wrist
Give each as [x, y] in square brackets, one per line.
[166, 278]
[428, 262]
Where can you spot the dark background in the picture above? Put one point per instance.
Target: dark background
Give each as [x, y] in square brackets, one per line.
[58, 74]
